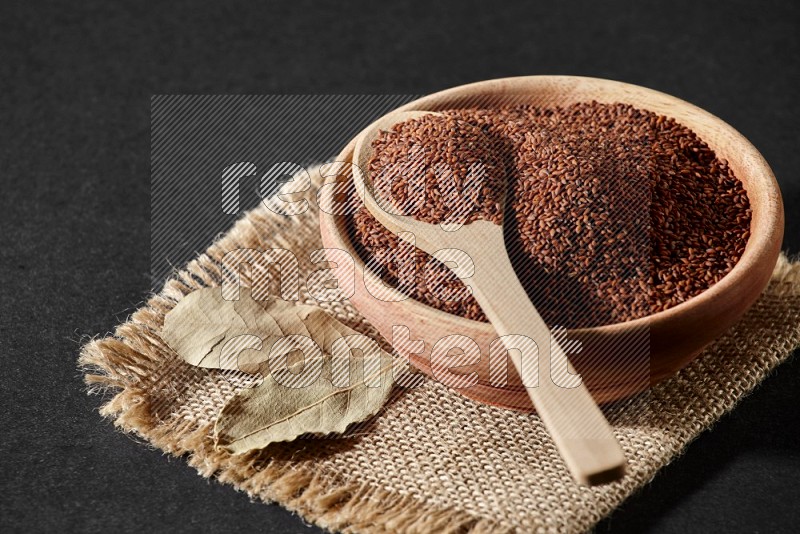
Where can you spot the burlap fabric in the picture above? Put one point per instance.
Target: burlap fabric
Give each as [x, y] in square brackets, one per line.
[433, 460]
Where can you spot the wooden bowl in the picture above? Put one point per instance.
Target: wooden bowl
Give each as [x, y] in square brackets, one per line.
[617, 360]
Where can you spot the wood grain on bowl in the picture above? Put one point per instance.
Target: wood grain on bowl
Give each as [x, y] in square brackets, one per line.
[617, 360]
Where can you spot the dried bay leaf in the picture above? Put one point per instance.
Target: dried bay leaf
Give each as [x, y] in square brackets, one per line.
[346, 380]
[200, 325]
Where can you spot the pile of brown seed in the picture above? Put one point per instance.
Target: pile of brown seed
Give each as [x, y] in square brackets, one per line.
[617, 212]
[439, 169]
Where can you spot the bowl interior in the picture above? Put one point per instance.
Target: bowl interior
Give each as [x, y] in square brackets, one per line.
[746, 162]
[670, 339]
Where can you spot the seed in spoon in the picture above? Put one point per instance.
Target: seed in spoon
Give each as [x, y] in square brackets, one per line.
[439, 169]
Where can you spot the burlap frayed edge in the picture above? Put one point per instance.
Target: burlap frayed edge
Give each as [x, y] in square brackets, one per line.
[785, 279]
[317, 497]
[126, 363]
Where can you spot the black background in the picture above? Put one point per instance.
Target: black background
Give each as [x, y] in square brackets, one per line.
[75, 85]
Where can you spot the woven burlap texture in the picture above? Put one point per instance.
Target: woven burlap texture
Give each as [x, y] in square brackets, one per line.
[433, 460]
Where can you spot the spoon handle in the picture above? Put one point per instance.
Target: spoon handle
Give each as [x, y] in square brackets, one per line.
[578, 427]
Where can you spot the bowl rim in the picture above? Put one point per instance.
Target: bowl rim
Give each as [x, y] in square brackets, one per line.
[768, 217]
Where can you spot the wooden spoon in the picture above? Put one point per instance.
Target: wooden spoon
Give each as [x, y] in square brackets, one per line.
[576, 424]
